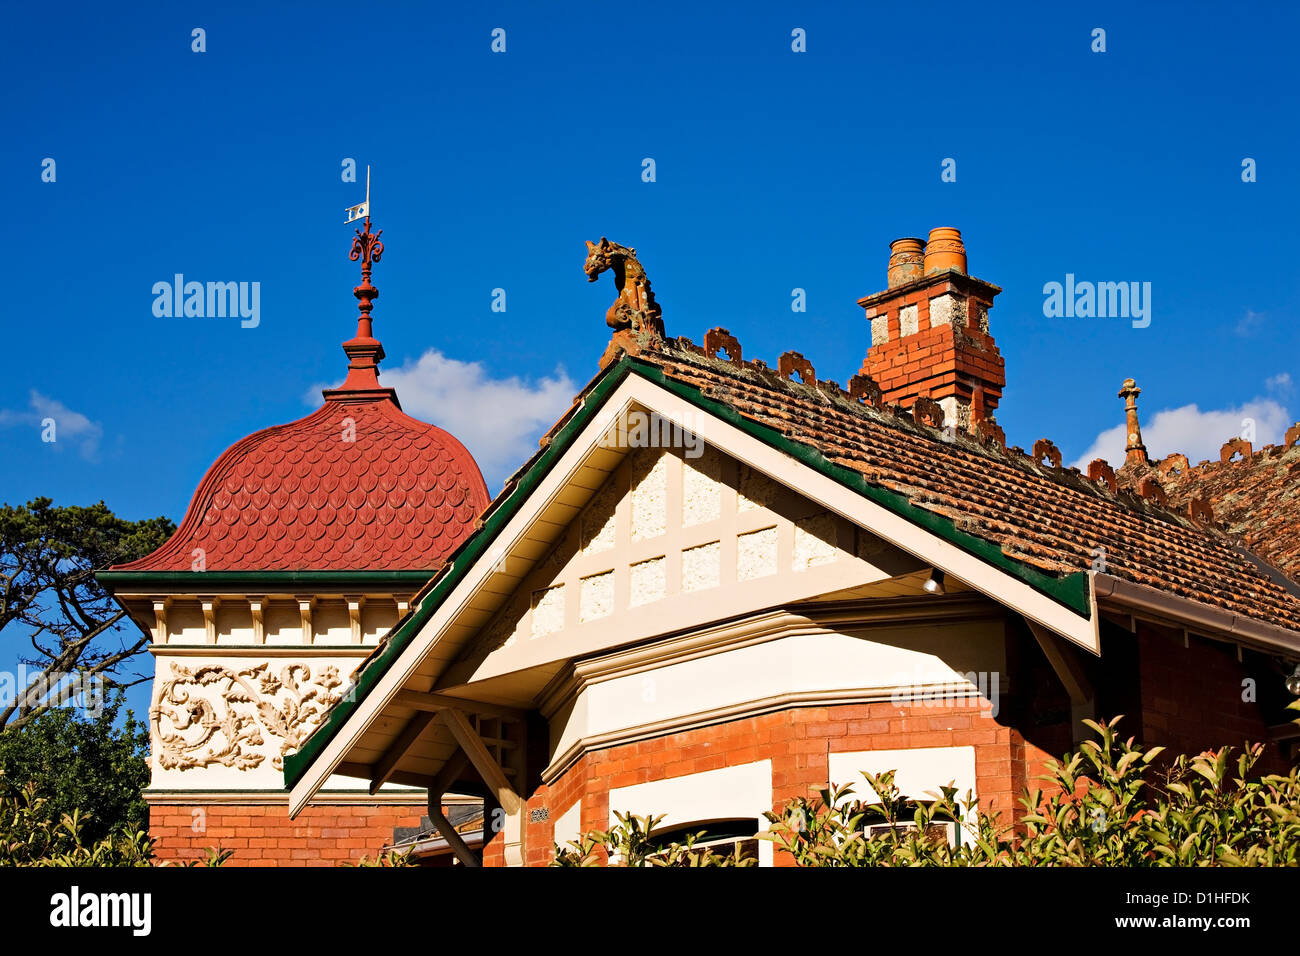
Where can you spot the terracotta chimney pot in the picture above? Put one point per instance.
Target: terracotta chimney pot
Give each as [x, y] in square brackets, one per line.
[945, 250]
[906, 261]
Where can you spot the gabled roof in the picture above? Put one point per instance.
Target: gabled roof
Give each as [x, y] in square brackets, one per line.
[1035, 523]
[1040, 515]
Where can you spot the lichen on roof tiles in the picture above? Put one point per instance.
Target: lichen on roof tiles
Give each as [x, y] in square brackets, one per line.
[1038, 513]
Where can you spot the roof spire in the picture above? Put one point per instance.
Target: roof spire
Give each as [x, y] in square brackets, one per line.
[367, 247]
[1135, 453]
[364, 352]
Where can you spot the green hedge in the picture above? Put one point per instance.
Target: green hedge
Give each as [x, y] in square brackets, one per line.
[29, 836]
[1106, 805]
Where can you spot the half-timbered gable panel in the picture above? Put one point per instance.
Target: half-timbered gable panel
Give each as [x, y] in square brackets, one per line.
[676, 538]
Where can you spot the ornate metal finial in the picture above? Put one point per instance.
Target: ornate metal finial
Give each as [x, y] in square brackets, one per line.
[364, 352]
[367, 247]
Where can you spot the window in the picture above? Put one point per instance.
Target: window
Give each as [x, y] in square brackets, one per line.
[876, 827]
[724, 837]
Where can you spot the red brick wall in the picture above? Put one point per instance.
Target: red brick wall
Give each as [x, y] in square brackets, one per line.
[1190, 701]
[326, 835]
[796, 741]
[494, 850]
[1192, 696]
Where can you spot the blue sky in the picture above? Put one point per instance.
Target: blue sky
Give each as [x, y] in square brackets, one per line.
[775, 170]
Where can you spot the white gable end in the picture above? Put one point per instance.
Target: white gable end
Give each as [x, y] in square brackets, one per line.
[674, 540]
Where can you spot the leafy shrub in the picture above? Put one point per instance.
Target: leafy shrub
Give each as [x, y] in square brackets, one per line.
[1206, 811]
[97, 764]
[631, 842]
[1102, 810]
[30, 837]
[390, 858]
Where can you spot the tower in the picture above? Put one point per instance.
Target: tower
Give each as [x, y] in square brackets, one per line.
[302, 546]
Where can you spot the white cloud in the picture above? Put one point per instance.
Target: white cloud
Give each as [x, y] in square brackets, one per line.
[1247, 325]
[67, 424]
[498, 419]
[1198, 435]
[1279, 384]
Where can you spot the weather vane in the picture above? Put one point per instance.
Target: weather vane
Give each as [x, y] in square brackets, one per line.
[366, 246]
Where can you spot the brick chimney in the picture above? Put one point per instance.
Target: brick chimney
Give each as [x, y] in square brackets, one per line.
[930, 331]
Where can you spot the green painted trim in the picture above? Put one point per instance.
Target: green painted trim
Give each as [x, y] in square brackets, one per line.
[296, 764]
[202, 581]
[1071, 591]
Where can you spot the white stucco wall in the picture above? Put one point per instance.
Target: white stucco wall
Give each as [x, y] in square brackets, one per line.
[790, 665]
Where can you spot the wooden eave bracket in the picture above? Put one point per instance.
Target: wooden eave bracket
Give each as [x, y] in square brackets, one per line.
[493, 774]
[386, 764]
[1069, 670]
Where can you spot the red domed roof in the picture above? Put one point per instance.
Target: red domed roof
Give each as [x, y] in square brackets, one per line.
[298, 497]
[358, 485]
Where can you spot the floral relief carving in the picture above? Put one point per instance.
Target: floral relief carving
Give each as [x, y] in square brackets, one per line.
[214, 714]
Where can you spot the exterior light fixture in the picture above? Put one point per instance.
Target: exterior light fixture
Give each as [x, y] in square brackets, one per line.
[1293, 681]
[934, 583]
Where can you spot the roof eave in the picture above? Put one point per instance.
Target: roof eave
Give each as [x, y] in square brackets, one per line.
[1140, 597]
[194, 582]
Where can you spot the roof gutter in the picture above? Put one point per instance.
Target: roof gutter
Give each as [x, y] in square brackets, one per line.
[1113, 590]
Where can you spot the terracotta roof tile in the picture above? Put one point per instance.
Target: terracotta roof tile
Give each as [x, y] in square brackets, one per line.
[1052, 518]
[1255, 498]
[298, 497]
